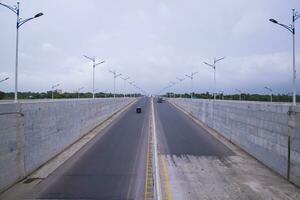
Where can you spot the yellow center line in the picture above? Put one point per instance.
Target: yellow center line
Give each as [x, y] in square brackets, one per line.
[148, 191]
[147, 163]
[165, 174]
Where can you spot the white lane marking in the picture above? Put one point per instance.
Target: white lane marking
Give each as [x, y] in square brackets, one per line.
[157, 178]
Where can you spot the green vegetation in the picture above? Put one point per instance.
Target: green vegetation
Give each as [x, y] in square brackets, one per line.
[65, 95]
[244, 96]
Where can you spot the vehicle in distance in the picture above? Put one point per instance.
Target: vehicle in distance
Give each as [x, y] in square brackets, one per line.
[160, 100]
[138, 110]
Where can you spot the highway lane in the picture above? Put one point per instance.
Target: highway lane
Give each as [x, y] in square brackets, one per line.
[180, 142]
[110, 167]
[179, 135]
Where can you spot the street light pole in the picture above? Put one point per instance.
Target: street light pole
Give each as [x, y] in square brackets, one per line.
[20, 22]
[240, 93]
[131, 83]
[94, 65]
[52, 89]
[191, 77]
[172, 84]
[214, 67]
[291, 28]
[116, 75]
[125, 79]
[267, 88]
[180, 80]
[222, 93]
[4, 79]
[78, 90]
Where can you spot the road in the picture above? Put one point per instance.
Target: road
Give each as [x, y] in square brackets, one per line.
[110, 167]
[196, 165]
[179, 135]
[193, 163]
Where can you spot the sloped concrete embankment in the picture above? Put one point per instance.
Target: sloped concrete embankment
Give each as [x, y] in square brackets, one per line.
[269, 132]
[33, 133]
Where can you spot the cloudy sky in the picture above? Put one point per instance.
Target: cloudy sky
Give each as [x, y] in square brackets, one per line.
[152, 42]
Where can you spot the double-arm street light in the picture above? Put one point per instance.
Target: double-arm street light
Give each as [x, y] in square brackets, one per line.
[180, 80]
[291, 28]
[139, 89]
[94, 65]
[192, 78]
[214, 67]
[4, 79]
[271, 91]
[52, 89]
[143, 92]
[240, 93]
[173, 84]
[20, 22]
[78, 92]
[116, 75]
[221, 93]
[125, 79]
[162, 90]
[132, 84]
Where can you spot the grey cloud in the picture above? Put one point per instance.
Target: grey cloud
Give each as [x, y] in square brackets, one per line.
[153, 42]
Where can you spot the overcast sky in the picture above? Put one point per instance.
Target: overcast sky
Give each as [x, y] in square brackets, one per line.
[152, 42]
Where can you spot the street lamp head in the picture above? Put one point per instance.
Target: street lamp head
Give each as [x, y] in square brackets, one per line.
[273, 20]
[38, 15]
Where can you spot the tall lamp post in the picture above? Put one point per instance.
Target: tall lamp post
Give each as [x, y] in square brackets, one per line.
[291, 28]
[20, 22]
[131, 83]
[52, 90]
[271, 91]
[4, 79]
[180, 80]
[116, 75]
[94, 65]
[221, 93]
[192, 78]
[214, 67]
[240, 93]
[125, 79]
[173, 84]
[78, 92]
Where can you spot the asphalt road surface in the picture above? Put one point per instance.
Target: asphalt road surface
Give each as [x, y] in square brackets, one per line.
[110, 167]
[179, 135]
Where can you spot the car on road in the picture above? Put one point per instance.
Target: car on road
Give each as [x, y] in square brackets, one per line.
[138, 110]
[160, 100]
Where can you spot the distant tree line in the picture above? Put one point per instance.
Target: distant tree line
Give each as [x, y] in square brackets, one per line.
[56, 95]
[243, 96]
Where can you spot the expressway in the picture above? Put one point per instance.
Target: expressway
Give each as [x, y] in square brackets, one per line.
[108, 167]
[192, 163]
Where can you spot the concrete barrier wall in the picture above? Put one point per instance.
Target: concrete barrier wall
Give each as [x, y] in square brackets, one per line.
[33, 133]
[261, 129]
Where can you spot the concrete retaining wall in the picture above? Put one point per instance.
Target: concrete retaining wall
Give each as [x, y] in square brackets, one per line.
[261, 129]
[33, 133]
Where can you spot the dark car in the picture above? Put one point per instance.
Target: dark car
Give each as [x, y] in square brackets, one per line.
[160, 100]
[138, 110]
